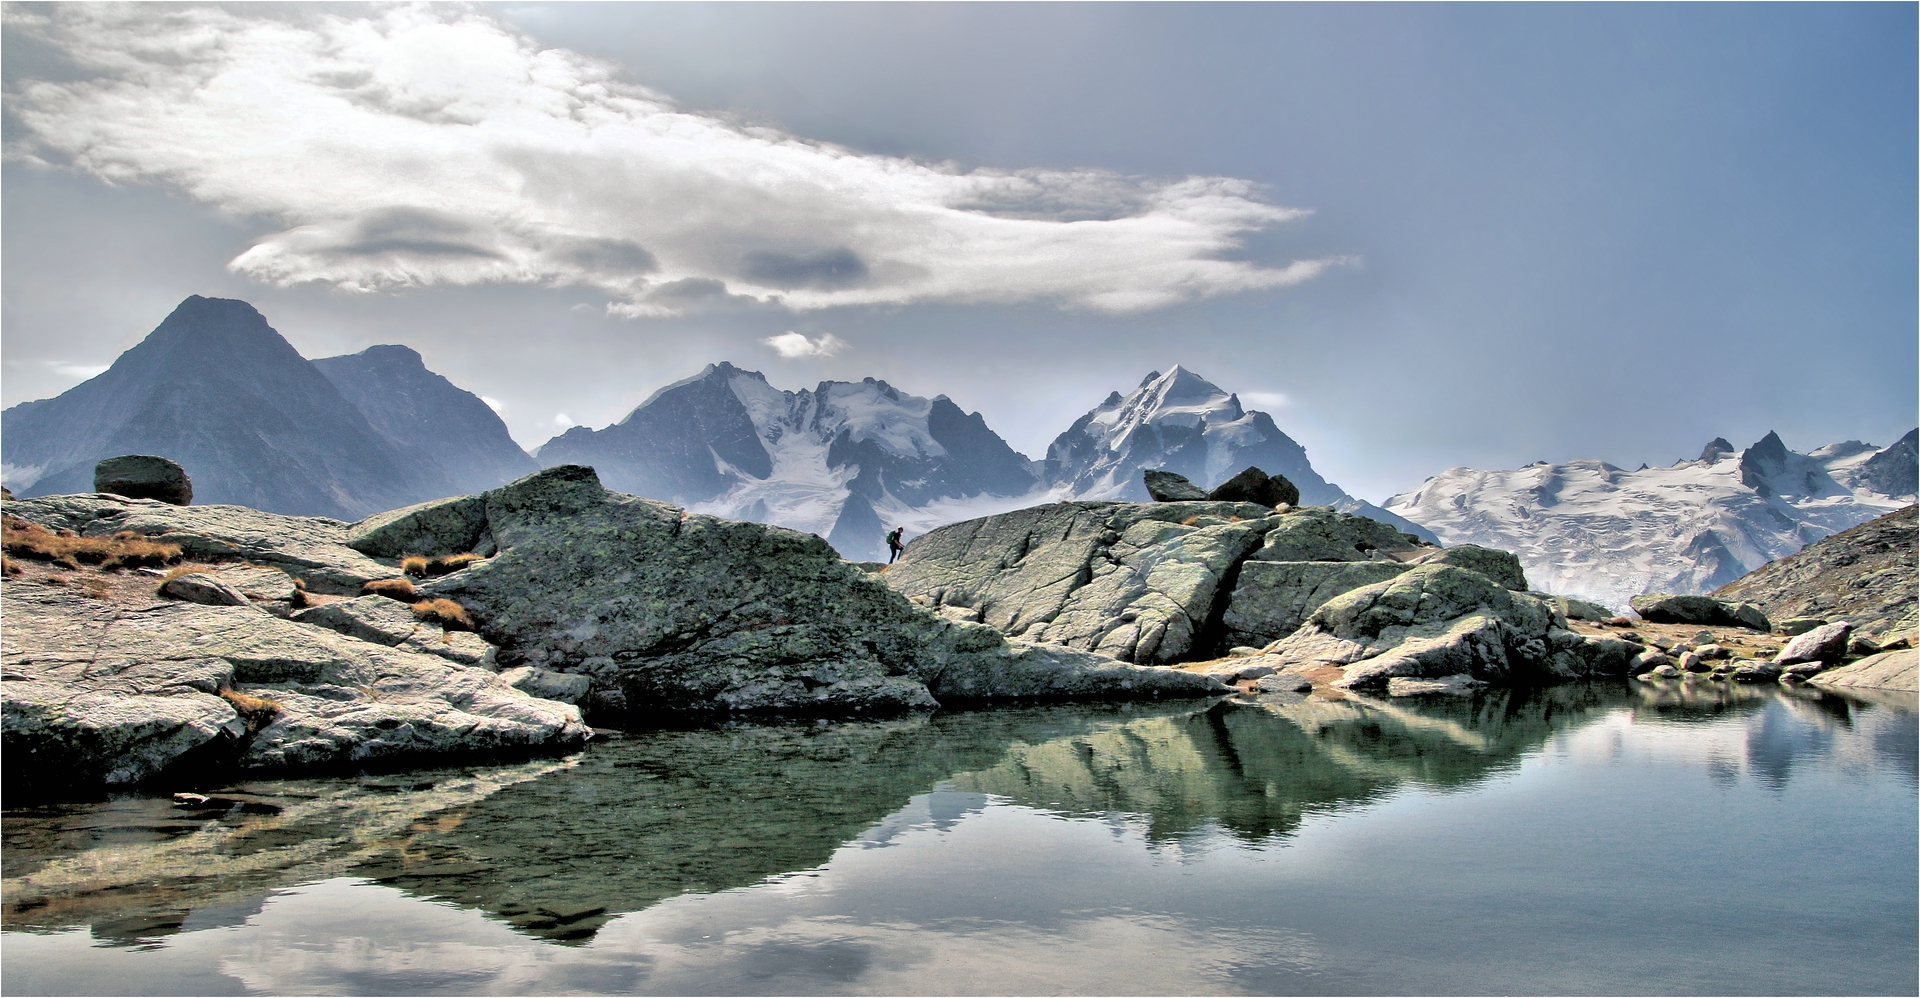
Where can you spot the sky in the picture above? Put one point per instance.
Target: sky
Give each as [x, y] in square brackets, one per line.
[1419, 236]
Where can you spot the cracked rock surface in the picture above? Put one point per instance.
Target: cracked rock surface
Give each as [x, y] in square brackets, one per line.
[104, 693]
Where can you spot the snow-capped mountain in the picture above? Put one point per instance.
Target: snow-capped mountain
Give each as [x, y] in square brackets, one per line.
[1183, 423]
[849, 460]
[845, 460]
[1589, 529]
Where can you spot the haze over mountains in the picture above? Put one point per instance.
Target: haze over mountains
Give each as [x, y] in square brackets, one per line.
[1589, 529]
[217, 389]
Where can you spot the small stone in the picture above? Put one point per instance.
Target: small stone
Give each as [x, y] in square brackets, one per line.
[1750, 671]
[204, 590]
[1284, 682]
[1711, 651]
[1461, 684]
[1242, 651]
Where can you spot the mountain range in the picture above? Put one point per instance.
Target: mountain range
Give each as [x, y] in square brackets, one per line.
[217, 389]
[1588, 529]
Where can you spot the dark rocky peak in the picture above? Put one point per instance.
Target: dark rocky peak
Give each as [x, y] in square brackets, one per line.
[429, 417]
[1762, 461]
[1896, 470]
[1716, 449]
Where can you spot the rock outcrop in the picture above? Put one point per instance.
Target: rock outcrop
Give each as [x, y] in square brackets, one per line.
[1868, 575]
[144, 476]
[1254, 485]
[101, 694]
[1166, 486]
[667, 611]
[311, 548]
[1439, 621]
[1891, 670]
[1668, 608]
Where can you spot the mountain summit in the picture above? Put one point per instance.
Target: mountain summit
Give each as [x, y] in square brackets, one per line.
[1183, 423]
[217, 389]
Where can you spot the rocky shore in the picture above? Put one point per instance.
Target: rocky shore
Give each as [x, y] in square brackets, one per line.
[504, 623]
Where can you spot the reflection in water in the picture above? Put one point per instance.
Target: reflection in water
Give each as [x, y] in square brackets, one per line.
[557, 849]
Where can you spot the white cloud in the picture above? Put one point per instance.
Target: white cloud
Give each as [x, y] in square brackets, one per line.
[562, 420]
[81, 371]
[1265, 400]
[791, 344]
[495, 404]
[429, 145]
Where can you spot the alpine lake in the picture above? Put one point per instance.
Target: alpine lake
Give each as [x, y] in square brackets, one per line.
[1616, 838]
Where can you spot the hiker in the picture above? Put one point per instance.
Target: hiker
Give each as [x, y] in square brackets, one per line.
[894, 547]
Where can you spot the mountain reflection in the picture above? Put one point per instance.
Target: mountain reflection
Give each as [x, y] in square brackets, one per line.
[556, 849]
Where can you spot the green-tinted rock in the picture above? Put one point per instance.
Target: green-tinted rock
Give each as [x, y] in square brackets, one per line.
[442, 526]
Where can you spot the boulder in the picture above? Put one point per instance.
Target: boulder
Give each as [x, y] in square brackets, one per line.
[204, 589]
[1752, 671]
[1500, 566]
[1439, 620]
[1283, 682]
[143, 476]
[100, 694]
[1576, 609]
[442, 526]
[1794, 626]
[1256, 486]
[1826, 643]
[1165, 486]
[1137, 581]
[1271, 599]
[1667, 608]
[667, 611]
[310, 548]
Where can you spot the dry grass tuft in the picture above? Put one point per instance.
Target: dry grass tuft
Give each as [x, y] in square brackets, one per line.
[444, 612]
[93, 587]
[447, 564]
[414, 565]
[179, 570]
[399, 589]
[257, 711]
[31, 540]
[8, 568]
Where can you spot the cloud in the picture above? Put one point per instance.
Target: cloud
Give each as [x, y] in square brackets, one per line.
[81, 371]
[1265, 400]
[563, 421]
[495, 404]
[431, 145]
[791, 344]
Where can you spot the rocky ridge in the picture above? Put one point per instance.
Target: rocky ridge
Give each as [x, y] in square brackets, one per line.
[1868, 575]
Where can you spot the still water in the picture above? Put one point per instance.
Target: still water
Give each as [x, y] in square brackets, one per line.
[1589, 839]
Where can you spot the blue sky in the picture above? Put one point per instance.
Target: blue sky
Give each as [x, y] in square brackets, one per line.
[1421, 236]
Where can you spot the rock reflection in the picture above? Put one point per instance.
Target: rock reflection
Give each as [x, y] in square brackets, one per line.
[557, 849]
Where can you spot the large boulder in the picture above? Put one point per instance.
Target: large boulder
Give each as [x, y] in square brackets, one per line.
[670, 611]
[1254, 485]
[99, 693]
[1137, 581]
[144, 476]
[1165, 486]
[442, 526]
[1668, 608]
[311, 548]
[1826, 643]
[1439, 620]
